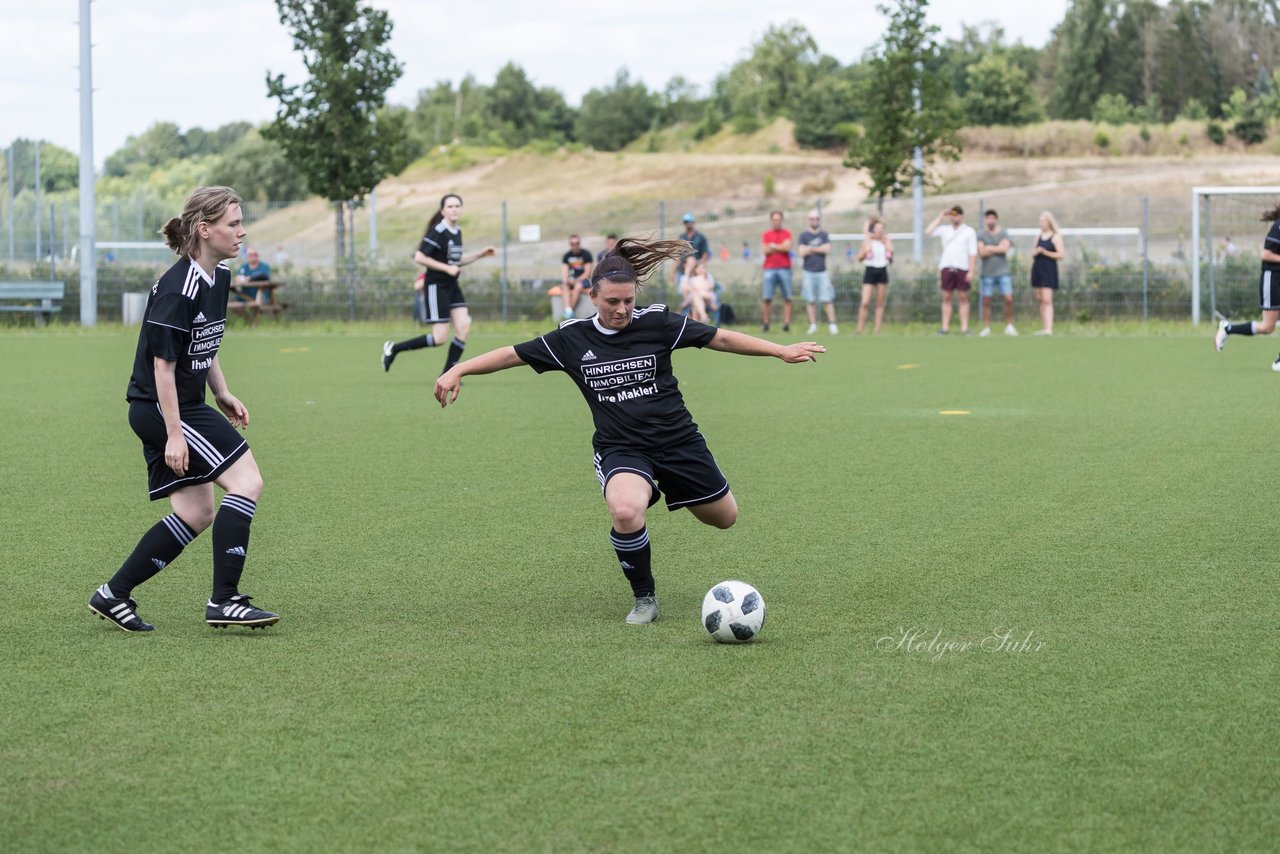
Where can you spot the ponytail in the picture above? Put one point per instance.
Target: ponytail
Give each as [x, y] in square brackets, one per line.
[1272, 215]
[634, 260]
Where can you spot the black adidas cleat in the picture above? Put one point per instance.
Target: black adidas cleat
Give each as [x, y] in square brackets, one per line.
[388, 355]
[237, 611]
[121, 612]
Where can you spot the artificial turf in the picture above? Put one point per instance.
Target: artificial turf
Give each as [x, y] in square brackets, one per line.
[452, 671]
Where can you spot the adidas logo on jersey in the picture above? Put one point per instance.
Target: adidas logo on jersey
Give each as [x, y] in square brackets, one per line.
[200, 318]
[159, 563]
[588, 356]
[236, 550]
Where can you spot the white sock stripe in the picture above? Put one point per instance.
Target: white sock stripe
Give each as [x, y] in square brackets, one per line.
[179, 529]
[630, 545]
[202, 446]
[243, 506]
[461, 345]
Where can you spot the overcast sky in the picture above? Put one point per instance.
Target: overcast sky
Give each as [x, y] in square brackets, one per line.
[204, 64]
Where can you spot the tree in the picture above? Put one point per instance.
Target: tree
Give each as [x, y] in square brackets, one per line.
[825, 111]
[612, 117]
[1082, 41]
[513, 106]
[999, 93]
[59, 168]
[891, 125]
[157, 145]
[778, 68]
[329, 126]
[259, 171]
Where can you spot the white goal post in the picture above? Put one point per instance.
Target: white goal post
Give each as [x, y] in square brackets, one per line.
[1197, 194]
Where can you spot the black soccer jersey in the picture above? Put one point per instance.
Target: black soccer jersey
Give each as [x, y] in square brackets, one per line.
[185, 318]
[1272, 242]
[625, 375]
[444, 244]
[577, 261]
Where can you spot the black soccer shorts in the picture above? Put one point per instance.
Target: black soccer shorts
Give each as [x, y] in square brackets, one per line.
[686, 472]
[212, 445]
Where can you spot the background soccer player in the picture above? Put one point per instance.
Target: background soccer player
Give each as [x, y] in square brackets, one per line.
[1268, 290]
[440, 251]
[188, 445]
[646, 442]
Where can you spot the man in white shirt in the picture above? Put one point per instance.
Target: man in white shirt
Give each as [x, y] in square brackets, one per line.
[956, 266]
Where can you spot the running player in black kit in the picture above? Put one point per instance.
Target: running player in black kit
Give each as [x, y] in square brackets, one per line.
[441, 253]
[1268, 291]
[646, 443]
[188, 445]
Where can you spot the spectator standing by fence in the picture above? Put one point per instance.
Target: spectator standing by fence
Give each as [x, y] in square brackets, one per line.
[994, 247]
[1045, 256]
[815, 243]
[876, 253]
[695, 238]
[956, 266]
[777, 271]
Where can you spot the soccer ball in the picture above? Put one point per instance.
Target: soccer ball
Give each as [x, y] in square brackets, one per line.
[733, 612]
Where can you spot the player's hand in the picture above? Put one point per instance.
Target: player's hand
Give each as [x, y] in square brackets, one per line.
[805, 351]
[235, 411]
[968, 277]
[447, 387]
[488, 251]
[452, 270]
[175, 454]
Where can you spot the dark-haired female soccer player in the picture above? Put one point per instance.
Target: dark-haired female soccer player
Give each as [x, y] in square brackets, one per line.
[441, 253]
[188, 445]
[646, 443]
[1268, 290]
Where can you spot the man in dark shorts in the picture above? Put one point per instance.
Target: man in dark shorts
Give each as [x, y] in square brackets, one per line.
[956, 265]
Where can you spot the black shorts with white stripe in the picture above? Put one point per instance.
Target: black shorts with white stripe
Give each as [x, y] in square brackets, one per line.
[686, 471]
[212, 445]
[439, 299]
[1269, 291]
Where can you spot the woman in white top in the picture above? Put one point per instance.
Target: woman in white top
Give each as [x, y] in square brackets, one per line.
[877, 252]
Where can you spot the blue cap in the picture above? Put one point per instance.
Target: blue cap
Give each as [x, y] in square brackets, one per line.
[687, 218]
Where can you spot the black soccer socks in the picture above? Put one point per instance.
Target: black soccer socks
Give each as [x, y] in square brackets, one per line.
[456, 346]
[635, 558]
[230, 545]
[158, 548]
[414, 344]
[1245, 328]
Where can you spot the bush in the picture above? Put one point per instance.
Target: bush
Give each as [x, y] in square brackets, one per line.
[1250, 128]
[1215, 133]
[1101, 139]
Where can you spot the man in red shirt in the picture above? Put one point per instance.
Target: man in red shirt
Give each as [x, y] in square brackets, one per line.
[777, 270]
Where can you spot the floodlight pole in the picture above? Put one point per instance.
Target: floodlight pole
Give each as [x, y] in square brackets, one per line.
[88, 197]
[1195, 256]
[10, 155]
[917, 180]
[39, 255]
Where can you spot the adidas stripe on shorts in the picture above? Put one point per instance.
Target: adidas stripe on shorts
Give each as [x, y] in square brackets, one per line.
[212, 445]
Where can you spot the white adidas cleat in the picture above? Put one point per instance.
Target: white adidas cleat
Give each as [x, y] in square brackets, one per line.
[1220, 337]
[645, 611]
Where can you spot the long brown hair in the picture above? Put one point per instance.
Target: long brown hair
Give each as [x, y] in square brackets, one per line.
[439, 215]
[205, 204]
[634, 260]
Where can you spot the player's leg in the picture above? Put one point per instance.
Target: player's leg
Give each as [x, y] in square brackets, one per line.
[827, 293]
[767, 287]
[432, 314]
[721, 513]
[785, 277]
[461, 319]
[809, 290]
[962, 298]
[864, 306]
[160, 546]
[228, 606]
[1006, 293]
[946, 309]
[628, 495]
[986, 290]
[1046, 308]
[882, 293]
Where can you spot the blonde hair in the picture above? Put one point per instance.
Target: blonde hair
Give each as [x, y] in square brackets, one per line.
[1053, 223]
[205, 204]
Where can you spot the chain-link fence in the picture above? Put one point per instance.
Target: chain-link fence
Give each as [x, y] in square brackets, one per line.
[1125, 259]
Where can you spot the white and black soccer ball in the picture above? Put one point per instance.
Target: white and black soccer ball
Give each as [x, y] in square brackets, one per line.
[733, 612]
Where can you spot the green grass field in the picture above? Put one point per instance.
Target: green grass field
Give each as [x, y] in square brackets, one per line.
[452, 671]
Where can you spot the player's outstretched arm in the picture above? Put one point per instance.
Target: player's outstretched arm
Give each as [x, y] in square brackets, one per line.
[727, 341]
[487, 363]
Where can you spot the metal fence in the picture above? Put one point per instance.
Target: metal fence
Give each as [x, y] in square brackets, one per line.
[1123, 259]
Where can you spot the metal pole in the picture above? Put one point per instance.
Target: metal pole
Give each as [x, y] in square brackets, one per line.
[917, 181]
[115, 217]
[351, 261]
[10, 204]
[1146, 256]
[52, 244]
[88, 197]
[506, 283]
[138, 200]
[373, 222]
[1208, 245]
[1195, 258]
[39, 254]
